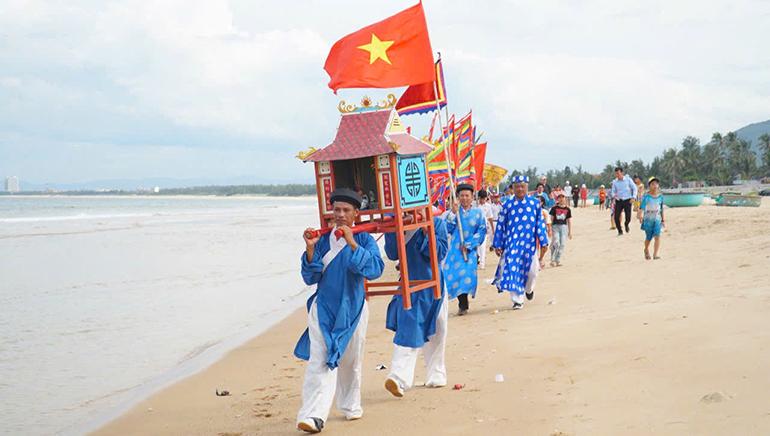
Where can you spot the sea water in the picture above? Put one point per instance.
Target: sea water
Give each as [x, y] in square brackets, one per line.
[106, 300]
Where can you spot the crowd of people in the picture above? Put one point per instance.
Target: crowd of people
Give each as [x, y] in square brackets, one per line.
[519, 226]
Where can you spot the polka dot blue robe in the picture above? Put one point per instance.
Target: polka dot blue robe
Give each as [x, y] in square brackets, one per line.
[519, 226]
[461, 276]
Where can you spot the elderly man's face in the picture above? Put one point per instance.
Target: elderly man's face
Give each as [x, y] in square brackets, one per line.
[520, 190]
[344, 214]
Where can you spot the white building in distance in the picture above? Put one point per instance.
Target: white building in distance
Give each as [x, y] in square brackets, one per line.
[12, 184]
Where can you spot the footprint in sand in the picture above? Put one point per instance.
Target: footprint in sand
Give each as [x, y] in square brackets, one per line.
[715, 397]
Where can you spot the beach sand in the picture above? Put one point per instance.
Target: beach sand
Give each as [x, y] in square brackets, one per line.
[674, 346]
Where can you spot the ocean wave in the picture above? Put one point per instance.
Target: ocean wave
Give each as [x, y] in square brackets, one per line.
[82, 216]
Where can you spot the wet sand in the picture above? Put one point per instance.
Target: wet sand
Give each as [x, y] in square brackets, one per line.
[626, 346]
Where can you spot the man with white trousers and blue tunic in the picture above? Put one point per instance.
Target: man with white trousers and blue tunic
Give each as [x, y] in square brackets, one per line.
[338, 314]
[520, 226]
[424, 326]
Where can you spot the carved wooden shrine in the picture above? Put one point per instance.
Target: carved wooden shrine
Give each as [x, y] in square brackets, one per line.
[374, 155]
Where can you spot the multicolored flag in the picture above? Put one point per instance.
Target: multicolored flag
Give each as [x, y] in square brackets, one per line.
[463, 149]
[439, 173]
[421, 99]
[394, 52]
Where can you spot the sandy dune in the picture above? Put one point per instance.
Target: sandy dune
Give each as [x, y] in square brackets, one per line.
[675, 346]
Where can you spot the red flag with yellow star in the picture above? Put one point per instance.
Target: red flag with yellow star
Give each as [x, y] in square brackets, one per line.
[394, 52]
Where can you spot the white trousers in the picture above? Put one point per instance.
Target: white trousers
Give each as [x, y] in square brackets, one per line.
[405, 358]
[534, 269]
[321, 383]
[482, 251]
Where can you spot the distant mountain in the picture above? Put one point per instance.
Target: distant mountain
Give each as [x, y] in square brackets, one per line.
[162, 182]
[752, 132]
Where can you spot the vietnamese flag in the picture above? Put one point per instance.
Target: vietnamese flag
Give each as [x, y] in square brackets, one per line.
[394, 52]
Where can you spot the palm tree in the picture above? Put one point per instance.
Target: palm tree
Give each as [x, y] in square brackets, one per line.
[674, 162]
[716, 138]
[764, 143]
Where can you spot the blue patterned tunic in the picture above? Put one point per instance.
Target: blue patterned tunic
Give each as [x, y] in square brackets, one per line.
[461, 277]
[519, 226]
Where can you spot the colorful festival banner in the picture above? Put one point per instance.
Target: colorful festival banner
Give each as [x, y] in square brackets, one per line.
[421, 99]
[479, 155]
[463, 149]
[493, 174]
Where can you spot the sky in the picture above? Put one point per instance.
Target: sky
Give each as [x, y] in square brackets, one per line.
[94, 90]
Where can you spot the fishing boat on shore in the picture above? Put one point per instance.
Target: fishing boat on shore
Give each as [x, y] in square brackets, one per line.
[729, 199]
[682, 199]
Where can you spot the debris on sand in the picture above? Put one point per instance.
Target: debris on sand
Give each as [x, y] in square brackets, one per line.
[222, 394]
[715, 397]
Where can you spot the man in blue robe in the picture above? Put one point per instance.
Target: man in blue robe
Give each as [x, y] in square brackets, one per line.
[520, 226]
[424, 326]
[460, 267]
[338, 314]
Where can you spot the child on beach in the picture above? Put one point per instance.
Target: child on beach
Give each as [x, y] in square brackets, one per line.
[561, 228]
[602, 197]
[651, 218]
[547, 219]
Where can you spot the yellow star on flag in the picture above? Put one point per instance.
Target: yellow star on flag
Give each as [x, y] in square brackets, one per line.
[377, 49]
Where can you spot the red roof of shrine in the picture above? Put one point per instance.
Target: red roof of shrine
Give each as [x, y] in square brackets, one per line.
[363, 134]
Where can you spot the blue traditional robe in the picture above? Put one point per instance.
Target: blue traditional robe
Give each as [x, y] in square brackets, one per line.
[413, 327]
[340, 292]
[462, 276]
[519, 226]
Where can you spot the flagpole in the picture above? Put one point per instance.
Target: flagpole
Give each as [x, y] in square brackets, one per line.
[448, 159]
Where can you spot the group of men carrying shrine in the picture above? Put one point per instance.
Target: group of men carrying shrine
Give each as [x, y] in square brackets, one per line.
[338, 313]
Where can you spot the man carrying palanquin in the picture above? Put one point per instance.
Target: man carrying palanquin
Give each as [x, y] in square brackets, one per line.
[424, 326]
[338, 314]
[460, 266]
[520, 227]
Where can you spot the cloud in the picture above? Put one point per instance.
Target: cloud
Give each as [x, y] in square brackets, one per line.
[551, 84]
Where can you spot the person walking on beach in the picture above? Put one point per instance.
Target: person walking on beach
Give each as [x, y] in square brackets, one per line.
[567, 189]
[460, 266]
[546, 187]
[575, 197]
[333, 343]
[555, 193]
[486, 212]
[602, 197]
[424, 326]
[583, 194]
[519, 229]
[561, 219]
[623, 192]
[547, 218]
[651, 217]
[639, 192]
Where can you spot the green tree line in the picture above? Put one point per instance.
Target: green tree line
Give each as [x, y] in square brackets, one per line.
[722, 160]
